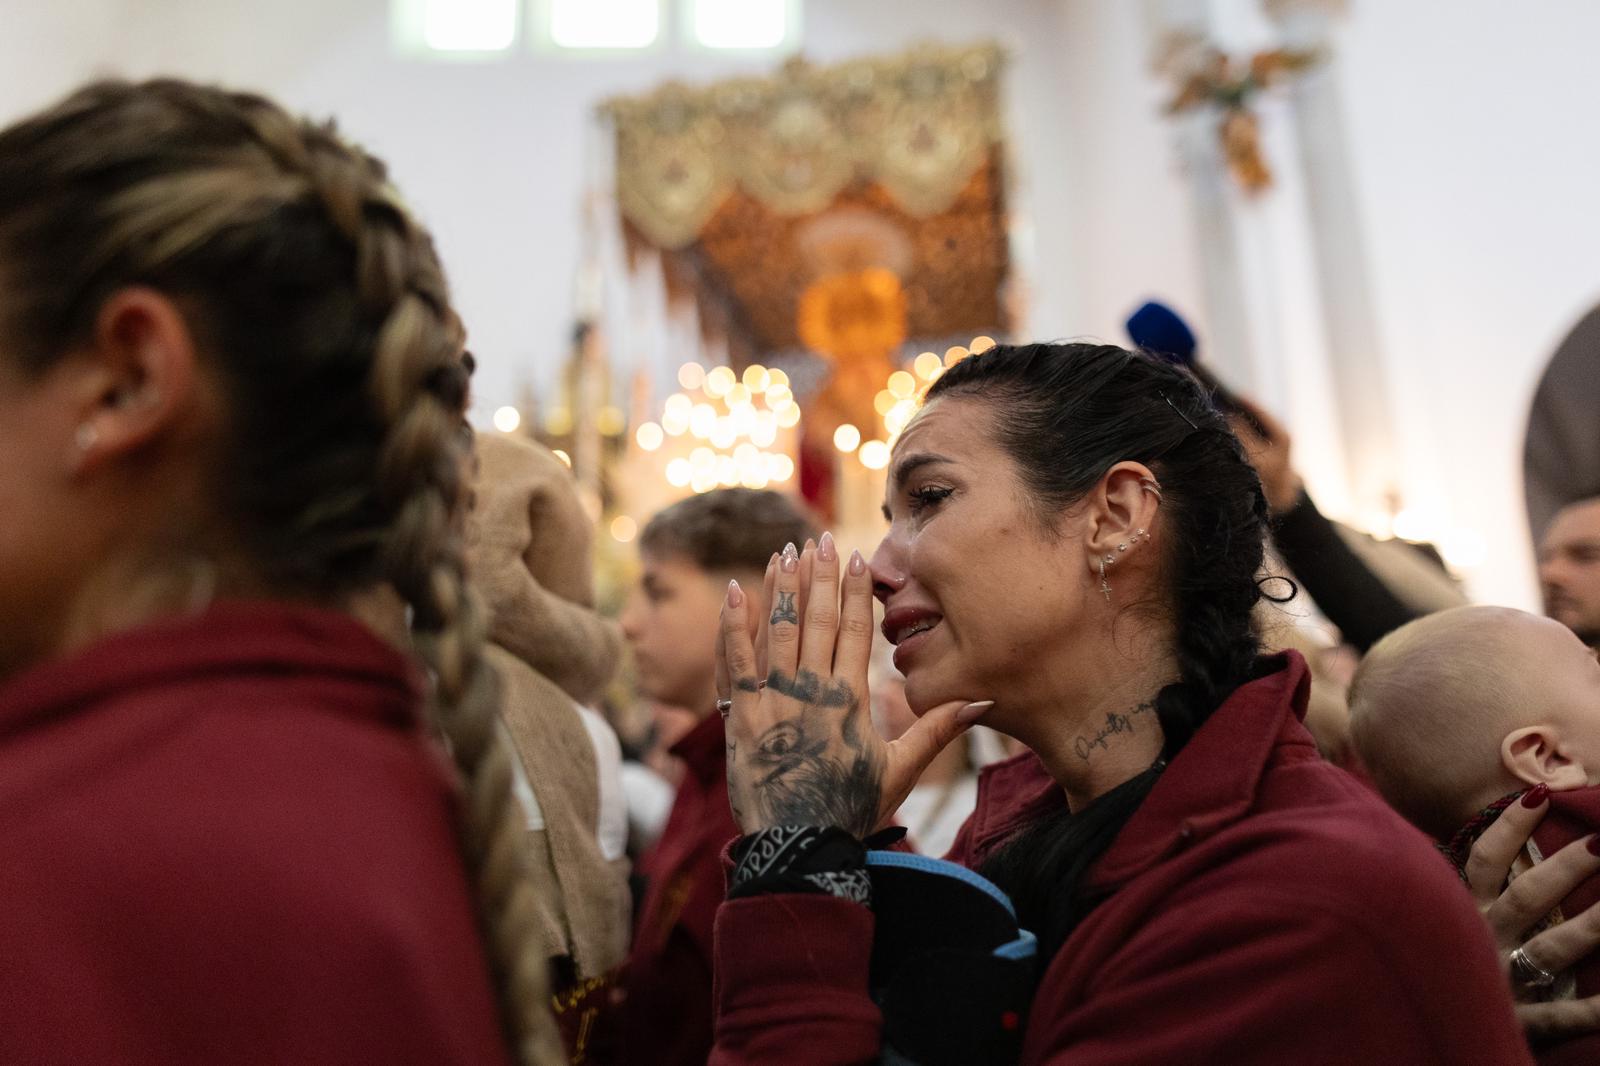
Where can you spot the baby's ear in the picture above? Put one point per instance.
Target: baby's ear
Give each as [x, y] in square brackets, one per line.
[1535, 755]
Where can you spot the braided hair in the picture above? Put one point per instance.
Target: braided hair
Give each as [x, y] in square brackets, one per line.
[323, 308]
[1072, 411]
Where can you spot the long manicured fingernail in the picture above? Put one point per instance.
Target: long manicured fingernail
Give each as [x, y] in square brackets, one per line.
[735, 594]
[1536, 795]
[790, 560]
[810, 545]
[858, 565]
[825, 550]
[973, 711]
[1593, 845]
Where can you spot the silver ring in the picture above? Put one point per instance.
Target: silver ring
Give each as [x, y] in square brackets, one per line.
[724, 706]
[1527, 974]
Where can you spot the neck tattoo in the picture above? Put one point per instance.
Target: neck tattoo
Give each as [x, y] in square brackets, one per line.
[1086, 745]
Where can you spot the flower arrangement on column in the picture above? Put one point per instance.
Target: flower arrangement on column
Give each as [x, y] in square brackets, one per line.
[1207, 77]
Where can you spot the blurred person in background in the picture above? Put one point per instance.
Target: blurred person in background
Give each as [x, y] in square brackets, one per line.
[529, 547]
[1569, 569]
[232, 398]
[689, 552]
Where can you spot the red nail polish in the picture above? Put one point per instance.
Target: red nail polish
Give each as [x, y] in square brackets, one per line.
[1536, 795]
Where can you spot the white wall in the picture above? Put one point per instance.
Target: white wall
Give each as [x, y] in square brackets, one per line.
[1471, 129]
[1476, 158]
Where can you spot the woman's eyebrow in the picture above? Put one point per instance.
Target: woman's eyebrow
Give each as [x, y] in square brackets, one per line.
[911, 462]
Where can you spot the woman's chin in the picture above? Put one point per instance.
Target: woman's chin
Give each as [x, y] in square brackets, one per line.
[924, 693]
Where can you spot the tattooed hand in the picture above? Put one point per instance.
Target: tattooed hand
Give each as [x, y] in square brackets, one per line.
[801, 747]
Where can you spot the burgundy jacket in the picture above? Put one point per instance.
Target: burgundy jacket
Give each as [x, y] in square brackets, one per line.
[228, 839]
[1267, 909]
[666, 1016]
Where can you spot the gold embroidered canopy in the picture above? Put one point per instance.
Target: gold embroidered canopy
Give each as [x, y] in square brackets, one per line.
[919, 125]
[839, 213]
[757, 189]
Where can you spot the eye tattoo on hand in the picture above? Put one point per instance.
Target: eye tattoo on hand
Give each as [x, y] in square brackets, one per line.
[815, 767]
[784, 610]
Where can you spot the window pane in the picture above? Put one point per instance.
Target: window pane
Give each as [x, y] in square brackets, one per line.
[469, 25]
[741, 23]
[605, 23]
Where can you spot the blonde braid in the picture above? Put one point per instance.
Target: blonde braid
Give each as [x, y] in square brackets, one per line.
[418, 385]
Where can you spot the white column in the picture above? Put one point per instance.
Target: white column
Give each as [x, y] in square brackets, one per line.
[1229, 347]
[1360, 389]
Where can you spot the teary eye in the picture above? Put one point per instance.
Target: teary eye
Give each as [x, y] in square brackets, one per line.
[926, 497]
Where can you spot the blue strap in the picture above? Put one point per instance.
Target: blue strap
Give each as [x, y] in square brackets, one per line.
[906, 860]
[1026, 946]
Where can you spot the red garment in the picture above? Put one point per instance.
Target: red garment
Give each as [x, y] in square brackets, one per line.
[227, 839]
[1572, 816]
[1268, 909]
[666, 1017]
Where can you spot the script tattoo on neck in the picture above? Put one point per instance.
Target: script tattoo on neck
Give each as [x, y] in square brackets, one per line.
[1086, 745]
[784, 610]
[815, 768]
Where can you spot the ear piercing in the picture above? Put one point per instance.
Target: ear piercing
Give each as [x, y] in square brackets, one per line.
[1110, 560]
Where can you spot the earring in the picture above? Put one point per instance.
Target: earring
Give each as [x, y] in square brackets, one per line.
[1105, 586]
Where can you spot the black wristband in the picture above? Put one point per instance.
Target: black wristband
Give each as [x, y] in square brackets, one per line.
[801, 859]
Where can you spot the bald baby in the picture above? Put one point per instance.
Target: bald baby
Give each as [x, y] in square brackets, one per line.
[1458, 708]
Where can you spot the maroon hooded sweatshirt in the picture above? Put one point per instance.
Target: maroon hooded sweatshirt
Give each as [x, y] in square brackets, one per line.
[227, 838]
[666, 1016]
[1267, 909]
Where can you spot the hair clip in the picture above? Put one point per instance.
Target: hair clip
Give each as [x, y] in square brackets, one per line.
[1181, 415]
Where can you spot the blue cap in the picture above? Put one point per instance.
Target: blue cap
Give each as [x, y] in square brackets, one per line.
[1157, 329]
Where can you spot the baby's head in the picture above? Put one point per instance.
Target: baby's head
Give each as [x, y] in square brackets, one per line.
[1454, 710]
